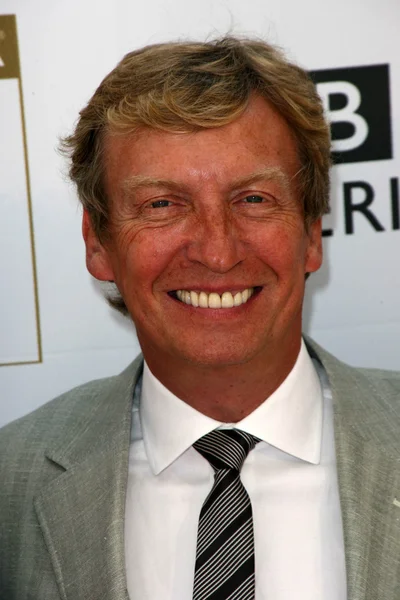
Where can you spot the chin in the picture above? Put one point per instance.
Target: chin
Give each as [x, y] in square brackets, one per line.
[219, 357]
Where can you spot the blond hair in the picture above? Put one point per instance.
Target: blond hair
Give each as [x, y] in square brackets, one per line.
[189, 86]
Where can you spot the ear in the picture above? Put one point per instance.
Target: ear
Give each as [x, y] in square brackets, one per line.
[314, 251]
[97, 256]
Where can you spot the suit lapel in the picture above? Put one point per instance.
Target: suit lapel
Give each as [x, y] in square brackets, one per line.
[368, 474]
[81, 511]
[369, 485]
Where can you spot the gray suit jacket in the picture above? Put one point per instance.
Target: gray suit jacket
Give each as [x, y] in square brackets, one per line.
[63, 474]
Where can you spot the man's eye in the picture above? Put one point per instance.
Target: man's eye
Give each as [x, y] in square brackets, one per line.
[254, 199]
[160, 204]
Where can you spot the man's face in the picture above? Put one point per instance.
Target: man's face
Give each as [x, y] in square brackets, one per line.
[212, 212]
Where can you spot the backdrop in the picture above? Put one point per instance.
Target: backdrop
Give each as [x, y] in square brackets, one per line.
[55, 330]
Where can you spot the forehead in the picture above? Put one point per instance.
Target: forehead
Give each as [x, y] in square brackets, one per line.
[259, 141]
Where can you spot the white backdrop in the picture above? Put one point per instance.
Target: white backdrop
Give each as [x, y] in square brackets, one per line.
[66, 47]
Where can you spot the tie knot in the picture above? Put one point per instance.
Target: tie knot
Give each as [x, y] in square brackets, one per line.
[226, 448]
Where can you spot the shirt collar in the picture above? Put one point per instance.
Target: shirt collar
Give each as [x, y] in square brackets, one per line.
[290, 419]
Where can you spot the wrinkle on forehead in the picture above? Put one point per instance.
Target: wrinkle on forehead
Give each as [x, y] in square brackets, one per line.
[275, 174]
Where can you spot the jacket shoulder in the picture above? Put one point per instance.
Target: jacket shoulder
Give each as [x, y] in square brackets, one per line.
[383, 388]
[381, 376]
[383, 385]
[66, 414]
[365, 400]
[56, 412]
[345, 376]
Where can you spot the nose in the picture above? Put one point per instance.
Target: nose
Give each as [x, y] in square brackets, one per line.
[215, 241]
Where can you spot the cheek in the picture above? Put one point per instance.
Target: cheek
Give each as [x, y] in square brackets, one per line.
[141, 257]
[283, 249]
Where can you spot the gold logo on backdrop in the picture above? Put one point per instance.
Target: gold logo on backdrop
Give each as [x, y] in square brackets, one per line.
[9, 60]
[10, 69]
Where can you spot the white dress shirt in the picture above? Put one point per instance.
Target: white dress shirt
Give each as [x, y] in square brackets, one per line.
[290, 477]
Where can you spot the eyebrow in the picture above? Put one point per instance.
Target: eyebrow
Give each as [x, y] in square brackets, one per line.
[137, 181]
[268, 173]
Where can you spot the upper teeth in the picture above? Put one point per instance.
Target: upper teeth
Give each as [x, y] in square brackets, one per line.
[213, 300]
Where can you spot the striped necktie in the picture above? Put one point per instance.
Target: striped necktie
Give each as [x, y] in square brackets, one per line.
[225, 541]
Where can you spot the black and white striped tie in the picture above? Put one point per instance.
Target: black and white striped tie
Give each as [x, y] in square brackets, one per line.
[225, 541]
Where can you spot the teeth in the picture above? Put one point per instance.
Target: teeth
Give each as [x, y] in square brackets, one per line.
[203, 300]
[194, 298]
[238, 299]
[227, 300]
[213, 300]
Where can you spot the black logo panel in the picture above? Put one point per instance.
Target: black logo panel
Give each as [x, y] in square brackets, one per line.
[357, 103]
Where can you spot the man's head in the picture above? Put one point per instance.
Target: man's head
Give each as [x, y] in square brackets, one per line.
[205, 167]
[184, 87]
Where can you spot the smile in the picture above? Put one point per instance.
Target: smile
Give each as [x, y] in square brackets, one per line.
[214, 300]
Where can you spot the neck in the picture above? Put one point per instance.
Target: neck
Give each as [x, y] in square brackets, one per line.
[226, 393]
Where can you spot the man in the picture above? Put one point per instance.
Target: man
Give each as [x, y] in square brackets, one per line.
[239, 462]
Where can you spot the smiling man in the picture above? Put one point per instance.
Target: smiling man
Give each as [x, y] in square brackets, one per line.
[232, 460]
[210, 256]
